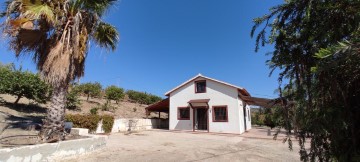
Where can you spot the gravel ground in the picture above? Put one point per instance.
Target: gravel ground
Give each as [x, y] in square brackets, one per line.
[185, 146]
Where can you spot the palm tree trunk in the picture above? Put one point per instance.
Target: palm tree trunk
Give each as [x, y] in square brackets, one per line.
[53, 126]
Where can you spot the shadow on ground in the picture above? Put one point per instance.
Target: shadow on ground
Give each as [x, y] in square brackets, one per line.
[25, 108]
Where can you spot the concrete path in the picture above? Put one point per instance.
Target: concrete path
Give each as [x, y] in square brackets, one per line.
[184, 146]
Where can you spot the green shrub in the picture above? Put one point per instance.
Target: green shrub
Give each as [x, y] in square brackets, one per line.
[91, 121]
[107, 123]
[107, 106]
[94, 111]
[84, 121]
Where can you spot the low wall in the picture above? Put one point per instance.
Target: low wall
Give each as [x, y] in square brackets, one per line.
[52, 151]
[122, 125]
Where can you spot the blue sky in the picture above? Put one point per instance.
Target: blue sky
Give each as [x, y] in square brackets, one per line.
[166, 42]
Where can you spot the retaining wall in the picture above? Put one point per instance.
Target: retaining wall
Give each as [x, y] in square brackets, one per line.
[122, 125]
[52, 151]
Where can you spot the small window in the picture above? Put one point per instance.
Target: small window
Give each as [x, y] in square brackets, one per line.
[183, 113]
[220, 114]
[200, 86]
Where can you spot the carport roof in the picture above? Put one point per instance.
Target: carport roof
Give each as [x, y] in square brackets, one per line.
[161, 106]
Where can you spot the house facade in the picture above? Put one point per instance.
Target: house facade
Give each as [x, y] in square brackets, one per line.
[206, 104]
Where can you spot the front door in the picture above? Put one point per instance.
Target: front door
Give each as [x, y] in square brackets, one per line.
[201, 119]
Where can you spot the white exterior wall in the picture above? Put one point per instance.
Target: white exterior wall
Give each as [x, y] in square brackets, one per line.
[248, 117]
[218, 94]
[241, 114]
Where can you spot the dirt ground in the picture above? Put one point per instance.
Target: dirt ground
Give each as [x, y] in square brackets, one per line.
[159, 145]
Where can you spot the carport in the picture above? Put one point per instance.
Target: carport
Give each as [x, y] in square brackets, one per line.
[161, 106]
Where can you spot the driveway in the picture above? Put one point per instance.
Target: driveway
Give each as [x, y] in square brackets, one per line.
[185, 146]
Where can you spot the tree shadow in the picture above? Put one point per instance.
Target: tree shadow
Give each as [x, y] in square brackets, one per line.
[25, 108]
[29, 123]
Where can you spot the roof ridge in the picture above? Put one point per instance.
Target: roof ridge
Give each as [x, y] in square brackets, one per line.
[200, 75]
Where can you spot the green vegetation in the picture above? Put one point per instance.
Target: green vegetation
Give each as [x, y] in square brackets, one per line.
[257, 117]
[23, 84]
[317, 50]
[114, 93]
[57, 35]
[91, 121]
[142, 97]
[83, 121]
[107, 106]
[107, 123]
[94, 111]
[72, 98]
[90, 89]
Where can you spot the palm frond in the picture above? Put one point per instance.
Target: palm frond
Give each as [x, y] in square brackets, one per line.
[35, 9]
[27, 41]
[98, 6]
[18, 22]
[106, 36]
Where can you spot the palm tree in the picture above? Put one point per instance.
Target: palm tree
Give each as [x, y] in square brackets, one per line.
[57, 33]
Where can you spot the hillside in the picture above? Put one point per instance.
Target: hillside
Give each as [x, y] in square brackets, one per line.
[27, 108]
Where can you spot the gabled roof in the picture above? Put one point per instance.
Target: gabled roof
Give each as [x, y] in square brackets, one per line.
[240, 89]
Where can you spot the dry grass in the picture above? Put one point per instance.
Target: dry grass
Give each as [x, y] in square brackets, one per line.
[27, 108]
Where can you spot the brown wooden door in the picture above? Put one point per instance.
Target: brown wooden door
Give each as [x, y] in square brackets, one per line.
[201, 119]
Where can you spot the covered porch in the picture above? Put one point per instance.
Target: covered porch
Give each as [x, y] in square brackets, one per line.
[159, 107]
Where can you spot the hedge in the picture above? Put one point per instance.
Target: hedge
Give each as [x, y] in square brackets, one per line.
[91, 121]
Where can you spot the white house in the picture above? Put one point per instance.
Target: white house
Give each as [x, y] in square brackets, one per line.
[206, 104]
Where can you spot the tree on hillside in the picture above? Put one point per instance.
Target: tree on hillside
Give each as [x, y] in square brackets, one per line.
[57, 35]
[90, 89]
[317, 51]
[114, 93]
[142, 97]
[23, 84]
[72, 98]
[6, 73]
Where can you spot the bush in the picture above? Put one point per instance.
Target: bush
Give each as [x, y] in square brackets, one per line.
[114, 93]
[107, 123]
[84, 121]
[94, 111]
[107, 106]
[91, 121]
[142, 97]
